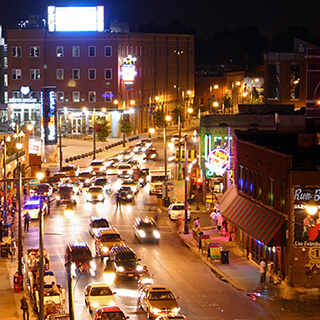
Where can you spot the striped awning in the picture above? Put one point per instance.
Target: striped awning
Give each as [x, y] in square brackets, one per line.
[260, 223]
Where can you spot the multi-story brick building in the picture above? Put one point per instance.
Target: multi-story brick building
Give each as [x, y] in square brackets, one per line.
[85, 68]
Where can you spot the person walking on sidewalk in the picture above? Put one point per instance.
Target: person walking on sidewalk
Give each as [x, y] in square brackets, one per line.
[219, 221]
[213, 216]
[263, 271]
[270, 269]
[27, 220]
[25, 307]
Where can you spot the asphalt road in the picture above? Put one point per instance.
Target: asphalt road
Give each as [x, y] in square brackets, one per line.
[202, 296]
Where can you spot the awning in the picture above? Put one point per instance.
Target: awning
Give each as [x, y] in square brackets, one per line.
[262, 224]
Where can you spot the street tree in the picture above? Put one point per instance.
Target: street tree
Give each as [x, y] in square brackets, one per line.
[159, 118]
[125, 126]
[103, 129]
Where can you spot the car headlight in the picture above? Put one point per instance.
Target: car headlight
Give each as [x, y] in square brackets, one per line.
[153, 156]
[101, 169]
[141, 180]
[130, 171]
[89, 196]
[58, 197]
[156, 234]
[112, 303]
[100, 197]
[139, 268]
[176, 310]
[87, 181]
[120, 269]
[155, 310]
[93, 265]
[95, 305]
[144, 155]
[104, 249]
[74, 197]
[129, 196]
[141, 233]
[76, 189]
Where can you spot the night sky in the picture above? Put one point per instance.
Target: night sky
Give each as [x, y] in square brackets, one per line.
[205, 16]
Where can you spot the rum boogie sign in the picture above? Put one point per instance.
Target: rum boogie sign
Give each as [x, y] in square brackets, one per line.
[218, 161]
[306, 226]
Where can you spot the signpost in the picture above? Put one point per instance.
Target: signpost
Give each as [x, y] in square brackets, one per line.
[213, 250]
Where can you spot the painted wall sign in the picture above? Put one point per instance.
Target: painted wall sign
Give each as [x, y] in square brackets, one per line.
[306, 226]
[49, 115]
[218, 161]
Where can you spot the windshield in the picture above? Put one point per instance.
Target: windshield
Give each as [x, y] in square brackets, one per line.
[101, 182]
[93, 189]
[145, 225]
[31, 206]
[157, 178]
[110, 237]
[81, 255]
[124, 167]
[85, 174]
[129, 182]
[113, 316]
[100, 224]
[101, 291]
[98, 163]
[181, 207]
[161, 296]
[65, 189]
[126, 256]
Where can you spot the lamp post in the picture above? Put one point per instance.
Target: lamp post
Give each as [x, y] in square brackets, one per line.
[4, 154]
[94, 134]
[186, 227]
[40, 176]
[60, 142]
[179, 126]
[166, 198]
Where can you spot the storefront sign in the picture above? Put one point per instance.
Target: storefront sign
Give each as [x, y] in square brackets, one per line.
[23, 100]
[218, 161]
[128, 71]
[204, 239]
[306, 224]
[49, 115]
[34, 146]
[214, 251]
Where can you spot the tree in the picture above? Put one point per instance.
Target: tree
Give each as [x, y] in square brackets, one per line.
[159, 118]
[125, 126]
[103, 129]
[177, 111]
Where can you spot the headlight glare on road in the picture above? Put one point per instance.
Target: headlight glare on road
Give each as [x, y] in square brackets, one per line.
[93, 265]
[156, 234]
[129, 196]
[120, 269]
[176, 310]
[155, 310]
[95, 305]
[142, 234]
[109, 277]
[105, 249]
[139, 268]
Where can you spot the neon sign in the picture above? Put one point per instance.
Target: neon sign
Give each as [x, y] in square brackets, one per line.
[128, 70]
[218, 161]
[49, 117]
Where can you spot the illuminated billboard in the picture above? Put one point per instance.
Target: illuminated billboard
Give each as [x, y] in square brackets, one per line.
[75, 18]
[128, 70]
[218, 161]
[49, 115]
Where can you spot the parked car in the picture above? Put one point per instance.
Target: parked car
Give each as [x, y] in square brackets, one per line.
[103, 313]
[97, 295]
[176, 211]
[146, 229]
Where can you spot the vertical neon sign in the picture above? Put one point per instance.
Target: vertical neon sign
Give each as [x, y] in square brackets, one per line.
[49, 115]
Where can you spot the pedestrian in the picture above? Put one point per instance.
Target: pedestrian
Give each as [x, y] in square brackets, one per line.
[213, 216]
[27, 220]
[118, 201]
[47, 172]
[225, 227]
[219, 221]
[263, 271]
[198, 222]
[25, 307]
[1, 230]
[270, 269]
[194, 223]
[156, 216]
[25, 191]
[198, 231]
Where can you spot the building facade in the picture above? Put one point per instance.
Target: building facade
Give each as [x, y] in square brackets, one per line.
[86, 70]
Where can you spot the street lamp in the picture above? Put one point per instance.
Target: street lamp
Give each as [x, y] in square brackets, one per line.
[40, 176]
[94, 134]
[186, 228]
[166, 198]
[151, 131]
[60, 141]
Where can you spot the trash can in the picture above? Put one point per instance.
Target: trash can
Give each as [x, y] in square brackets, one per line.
[5, 251]
[17, 282]
[224, 256]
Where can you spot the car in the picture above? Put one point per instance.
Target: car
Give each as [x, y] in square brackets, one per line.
[175, 138]
[134, 185]
[125, 194]
[43, 189]
[147, 142]
[104, 313]
[157, 300]
[172, 316]
[95, 194]
[124, 170]
[140, 147]
[124, 263]
[146, 229]
[106, 239]
[81, 258]
[61, 175]
[135, 164]
[70, 170]
[97, 295]
[176, 211]
[97, 223]
[150, 154]
[98, 166]
[105, 183]
[53, 181]
[65, 194]
[77, 187]
[32, 206]
[112, 169]
[156, 188]
[86, 178]
[126, 154]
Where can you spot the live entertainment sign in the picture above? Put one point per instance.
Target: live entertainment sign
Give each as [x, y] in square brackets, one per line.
[49, 115]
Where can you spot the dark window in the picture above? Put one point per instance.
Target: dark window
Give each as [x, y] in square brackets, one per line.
[294, 81]
[108, 74]
[34, 52]
[273, 81]
[108, 51]
[92, 51]
[76, 74]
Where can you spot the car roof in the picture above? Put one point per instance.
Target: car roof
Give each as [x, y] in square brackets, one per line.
[109, 309]
[111, 230]
[157, 288]
[98, 284]
[93, 218]
[95, 187]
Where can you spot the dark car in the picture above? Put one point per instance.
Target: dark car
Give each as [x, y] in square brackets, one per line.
[146, 229]
[125, 194]
[105, 183]
[86, 178]
[97, 223]
[150, 154]
[124, 262]
[66, 194]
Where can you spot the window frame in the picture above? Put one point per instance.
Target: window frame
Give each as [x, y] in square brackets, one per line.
[62, 55]
[105, 75]
[108, 94]
[73, 75]
[62, 94]
[31, 49]
[95, 51]
[105, 51]
[73, 55]
[62, 78]
[95, 74]
[95, 96]
[14, 71]
[37, 73]
[73, 96]
[15, 55]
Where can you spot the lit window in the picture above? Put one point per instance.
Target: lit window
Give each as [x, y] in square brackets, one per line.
[34, 74]
[108, 51]
[60, 51]
[76, 51]
[76, 74]
[92, 51]
[92, 74]
[108, 74]
[16, 74]
[60, 96]
[108, 96]
[92, 96]
[16, 52]
[60, 74]
[34, 51]
[76, 96]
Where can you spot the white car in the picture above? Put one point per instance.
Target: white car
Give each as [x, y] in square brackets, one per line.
[97, 295]
[124, 170]
[32, 206]
[134, 185]
[105, 183]
[98, 166]
[176, 211]
[175, 138]
[95, 193]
